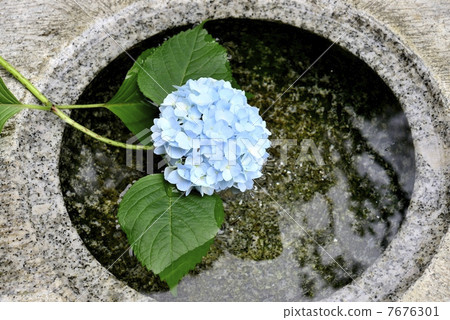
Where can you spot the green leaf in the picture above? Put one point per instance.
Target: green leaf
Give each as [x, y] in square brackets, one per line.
[191, 54]
[6, 97]
[130, 105]
[168, 231]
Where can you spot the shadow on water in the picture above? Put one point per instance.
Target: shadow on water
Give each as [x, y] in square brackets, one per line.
[332, 197]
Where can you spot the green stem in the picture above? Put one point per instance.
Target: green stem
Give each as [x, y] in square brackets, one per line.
[62, 115]
[26, 83]
[92, 134]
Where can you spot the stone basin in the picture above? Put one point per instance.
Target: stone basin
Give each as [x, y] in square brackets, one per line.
[43, 257]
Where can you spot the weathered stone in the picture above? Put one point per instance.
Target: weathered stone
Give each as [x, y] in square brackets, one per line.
[61, 46]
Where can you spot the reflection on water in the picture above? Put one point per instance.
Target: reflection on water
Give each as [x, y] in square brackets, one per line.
[308, 227]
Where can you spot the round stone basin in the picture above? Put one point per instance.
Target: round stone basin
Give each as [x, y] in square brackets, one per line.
[334, 192]
[374, 128]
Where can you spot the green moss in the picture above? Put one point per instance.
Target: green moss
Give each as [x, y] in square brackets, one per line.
[324, 106]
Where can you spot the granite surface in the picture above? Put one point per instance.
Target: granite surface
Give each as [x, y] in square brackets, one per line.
[42, 256]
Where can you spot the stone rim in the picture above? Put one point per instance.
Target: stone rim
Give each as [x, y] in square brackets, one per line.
[417, 91]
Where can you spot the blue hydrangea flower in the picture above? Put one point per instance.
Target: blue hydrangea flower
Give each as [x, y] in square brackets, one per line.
[211, 138]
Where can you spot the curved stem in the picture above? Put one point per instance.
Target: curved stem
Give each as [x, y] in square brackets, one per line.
[62, 115]
[26, 83]
[92, 134]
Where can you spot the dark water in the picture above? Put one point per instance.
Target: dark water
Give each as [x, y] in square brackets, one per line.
[333, 194]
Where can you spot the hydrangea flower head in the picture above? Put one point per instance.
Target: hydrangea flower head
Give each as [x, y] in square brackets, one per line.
[211, 138]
